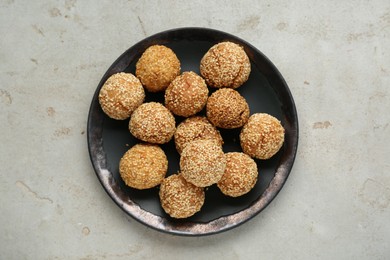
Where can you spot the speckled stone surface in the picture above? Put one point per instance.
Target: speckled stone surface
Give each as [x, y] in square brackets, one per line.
[335, 57]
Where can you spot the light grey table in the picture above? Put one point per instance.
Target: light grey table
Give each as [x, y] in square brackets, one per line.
[334, 55]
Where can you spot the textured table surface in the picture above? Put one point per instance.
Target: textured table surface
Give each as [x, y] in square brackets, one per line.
[335, 57]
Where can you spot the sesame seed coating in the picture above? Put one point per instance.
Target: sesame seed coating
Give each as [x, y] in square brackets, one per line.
[187, 94]
[120, 95]
[143, 166]
[153, 123]
[262, 136]
[196, 128]
[179, 198]
[202, 163]
[240, 175]
[157, 67]
[226, 108]
[225, 65]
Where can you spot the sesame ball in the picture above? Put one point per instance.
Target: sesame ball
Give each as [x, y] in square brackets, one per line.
[202, 163]
[225, 65]
[179, 198]
[153, 123]
[143, 166]
[195, 128]
[240, 175]
[226, 108]
[120, 95]
[157, 67]
[187, 94]
[262, 136]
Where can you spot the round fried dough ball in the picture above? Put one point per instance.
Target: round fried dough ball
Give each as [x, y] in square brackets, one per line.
[120, 95]
[195, 128]
[143, 166]
[225, 65]
[226, 108]
[202, 163]
[262, 136]
[187, 94]
[157, 67]
[240, 175]
[153, 123]
[179, 198]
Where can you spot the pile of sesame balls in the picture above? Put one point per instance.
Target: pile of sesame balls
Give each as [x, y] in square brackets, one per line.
[225, 67]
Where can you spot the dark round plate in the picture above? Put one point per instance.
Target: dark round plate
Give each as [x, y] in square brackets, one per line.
[266, 91]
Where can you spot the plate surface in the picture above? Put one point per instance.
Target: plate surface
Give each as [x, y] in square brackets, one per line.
[265, 91]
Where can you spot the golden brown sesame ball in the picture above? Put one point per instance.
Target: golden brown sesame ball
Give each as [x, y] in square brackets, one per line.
[262, 136]
[157, 67]
[179, 198]
[195, 128]
[240, 175]
[226, 108]
[143, 166]
[187, 94]
[153, 123]
[202, 163]
[225, 65]
[120, 95]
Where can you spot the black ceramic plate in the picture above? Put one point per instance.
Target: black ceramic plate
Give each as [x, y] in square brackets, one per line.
[266, 91]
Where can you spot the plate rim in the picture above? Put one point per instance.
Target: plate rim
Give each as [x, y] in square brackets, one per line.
[223, 223]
